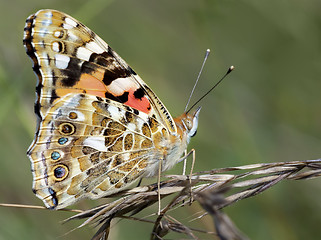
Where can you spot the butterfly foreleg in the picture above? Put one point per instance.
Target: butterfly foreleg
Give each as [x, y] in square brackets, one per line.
[160, 164]
[189, 177]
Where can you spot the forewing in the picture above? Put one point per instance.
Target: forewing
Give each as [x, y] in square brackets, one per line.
[70, 58]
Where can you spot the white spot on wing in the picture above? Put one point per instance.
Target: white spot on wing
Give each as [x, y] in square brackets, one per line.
[57, 34]
[120, 85]
[83, 53]
[66, 26]
[113, 111]
[55, 46]
[140, 122]
[144, 117]
[62, 61]
[94, 47]
[97, 142]
[70, 22]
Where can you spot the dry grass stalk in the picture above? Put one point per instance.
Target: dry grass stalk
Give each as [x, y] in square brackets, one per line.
[213, 190]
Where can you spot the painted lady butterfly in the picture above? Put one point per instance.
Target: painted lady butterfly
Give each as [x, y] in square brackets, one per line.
[100, 127]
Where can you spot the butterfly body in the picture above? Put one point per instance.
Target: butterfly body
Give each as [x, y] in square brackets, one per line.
[100, 127]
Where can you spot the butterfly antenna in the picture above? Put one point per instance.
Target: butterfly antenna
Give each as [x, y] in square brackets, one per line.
[227, 73]
[198, 77]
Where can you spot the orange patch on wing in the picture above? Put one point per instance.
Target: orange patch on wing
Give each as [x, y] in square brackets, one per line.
[142, 104]
[64, 91]
[88, 83]
[92, 83]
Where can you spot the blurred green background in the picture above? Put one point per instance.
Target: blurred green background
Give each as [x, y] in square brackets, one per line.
[268, 110]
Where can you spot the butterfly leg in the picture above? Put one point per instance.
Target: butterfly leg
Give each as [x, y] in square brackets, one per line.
[186, 155]
[185, 162]
[160, 164]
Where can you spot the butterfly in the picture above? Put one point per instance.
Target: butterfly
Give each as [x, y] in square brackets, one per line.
[99, 126]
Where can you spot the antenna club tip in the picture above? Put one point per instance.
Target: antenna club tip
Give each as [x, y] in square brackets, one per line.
[208, 51]
[230, 69]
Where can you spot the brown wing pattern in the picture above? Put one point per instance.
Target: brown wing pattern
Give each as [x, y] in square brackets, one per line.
[69, 57]
[90, 147]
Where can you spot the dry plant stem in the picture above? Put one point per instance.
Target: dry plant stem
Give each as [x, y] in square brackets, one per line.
[37, 207]
[168, 207]
[225, 228]
[22, 206]
[245, 181]
[190, 233]
[168, 218]
[191, 173]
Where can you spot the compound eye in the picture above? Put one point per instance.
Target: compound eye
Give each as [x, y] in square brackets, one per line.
[193, 134]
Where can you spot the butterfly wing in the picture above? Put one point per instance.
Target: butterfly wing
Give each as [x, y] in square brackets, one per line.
[95, 114]
[69, 57]
[89, 147]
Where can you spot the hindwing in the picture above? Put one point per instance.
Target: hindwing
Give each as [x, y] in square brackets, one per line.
[90, 147]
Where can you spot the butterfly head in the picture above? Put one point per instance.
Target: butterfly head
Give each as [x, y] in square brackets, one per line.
[187, 123]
